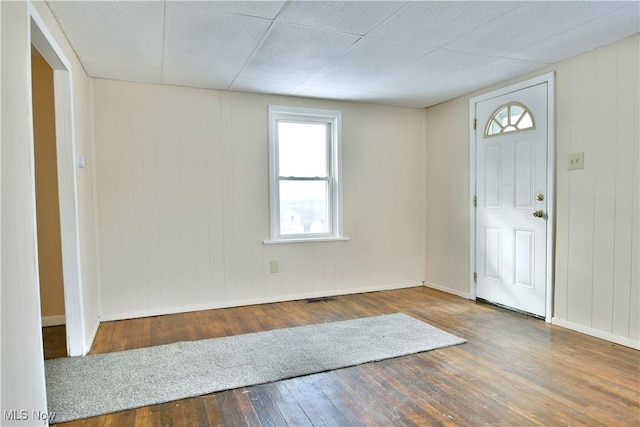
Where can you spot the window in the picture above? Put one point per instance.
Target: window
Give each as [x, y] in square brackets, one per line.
[509, 118]
[304, 168]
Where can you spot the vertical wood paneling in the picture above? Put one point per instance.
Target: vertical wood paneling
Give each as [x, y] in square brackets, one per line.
[633, 46]
[168, 177]
[109, 233]
[627, 113]
[446, 225]
[596, 283]
[213, 130]
[563, 136]
[581, 184]
[21, 350]
[241, 178]
[127, 206]
[228, 221]
[190, 206]
[148, 162]
[23, 382]
[604, 165]
[138, 193]
[191, 167]
[258, 224]
[201, 186]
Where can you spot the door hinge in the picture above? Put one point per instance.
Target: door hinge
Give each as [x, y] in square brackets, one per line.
[475, 201]
[475, 124]
[475, 277]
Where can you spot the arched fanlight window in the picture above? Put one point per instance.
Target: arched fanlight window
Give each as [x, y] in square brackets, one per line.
[509, 118]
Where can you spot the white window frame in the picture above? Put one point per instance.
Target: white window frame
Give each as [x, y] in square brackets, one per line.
[306, 115]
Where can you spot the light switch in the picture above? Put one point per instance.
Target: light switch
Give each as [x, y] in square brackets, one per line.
[575, 160]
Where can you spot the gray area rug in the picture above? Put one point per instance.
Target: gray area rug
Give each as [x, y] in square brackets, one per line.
[81, 387]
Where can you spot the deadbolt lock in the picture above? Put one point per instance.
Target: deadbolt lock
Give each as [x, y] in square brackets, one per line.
[539, 213]
[540, 197]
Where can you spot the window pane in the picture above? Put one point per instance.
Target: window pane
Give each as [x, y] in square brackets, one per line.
[525, 122]
[302, 149]
[509, 118]
[516, 112]
[304, 207]
[502, 117]
[494, 128]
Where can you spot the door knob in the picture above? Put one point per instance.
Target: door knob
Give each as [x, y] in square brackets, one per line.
[538, 214]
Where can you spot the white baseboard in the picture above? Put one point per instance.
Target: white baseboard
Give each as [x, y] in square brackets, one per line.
[53, 321]
[627, 342]
[448, 290]
[252, 301]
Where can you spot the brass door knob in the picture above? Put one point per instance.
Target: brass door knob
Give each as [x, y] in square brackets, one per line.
[539, 213]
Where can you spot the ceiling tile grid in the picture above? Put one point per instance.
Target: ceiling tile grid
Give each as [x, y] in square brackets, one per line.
[227, 38]
[411, 53]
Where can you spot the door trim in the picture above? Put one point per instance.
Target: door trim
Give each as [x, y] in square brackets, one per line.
[549, 79]
[40, 36]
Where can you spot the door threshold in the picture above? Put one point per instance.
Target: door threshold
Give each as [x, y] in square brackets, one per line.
[515, 310]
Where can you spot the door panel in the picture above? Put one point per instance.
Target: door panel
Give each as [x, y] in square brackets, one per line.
[511, 172]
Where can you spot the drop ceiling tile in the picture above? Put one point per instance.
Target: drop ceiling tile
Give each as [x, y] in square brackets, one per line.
[325, 92]
[615, 26]
[497, 71]
[202, 39]
[259, 9]
[292, 53]
[364, 62]
[264, 86]
[436, 23]
[236, 45]
[114, 36]
[126, 72]
[196, 77]
[431, 71]
[529, 24]
[353, 17]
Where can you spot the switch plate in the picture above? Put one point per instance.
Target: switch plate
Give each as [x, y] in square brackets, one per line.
[575, 160]
[274, 267]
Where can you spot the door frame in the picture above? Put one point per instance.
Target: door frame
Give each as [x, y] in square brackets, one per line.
[40, 37]
[549, 79]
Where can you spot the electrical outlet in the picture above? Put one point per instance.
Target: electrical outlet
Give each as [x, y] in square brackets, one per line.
[575, 160]
[274, 267]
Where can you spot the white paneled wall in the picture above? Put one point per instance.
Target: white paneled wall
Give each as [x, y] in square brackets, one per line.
[182, 187]
[597, 230]
[597, 257]
[22, 354]
[447, 237]
[22, 366]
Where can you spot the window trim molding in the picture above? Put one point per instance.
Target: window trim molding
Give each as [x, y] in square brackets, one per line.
[335, 174]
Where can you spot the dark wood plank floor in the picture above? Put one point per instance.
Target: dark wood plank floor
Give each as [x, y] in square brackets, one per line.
[514, 370]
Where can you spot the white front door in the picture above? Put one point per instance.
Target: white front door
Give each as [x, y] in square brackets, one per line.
[511, 213]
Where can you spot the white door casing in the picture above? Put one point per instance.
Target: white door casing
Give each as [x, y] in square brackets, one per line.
[510, 174]
[45, 43]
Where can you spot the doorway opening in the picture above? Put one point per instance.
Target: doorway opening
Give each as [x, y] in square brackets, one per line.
[59, 123]
[47, 202]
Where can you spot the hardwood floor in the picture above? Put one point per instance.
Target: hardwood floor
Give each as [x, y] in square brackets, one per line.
[514, 370]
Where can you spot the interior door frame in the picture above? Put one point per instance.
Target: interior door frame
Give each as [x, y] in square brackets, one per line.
[549, 79]
[40, 37]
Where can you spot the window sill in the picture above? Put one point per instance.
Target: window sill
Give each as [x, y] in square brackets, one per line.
[309, 240]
